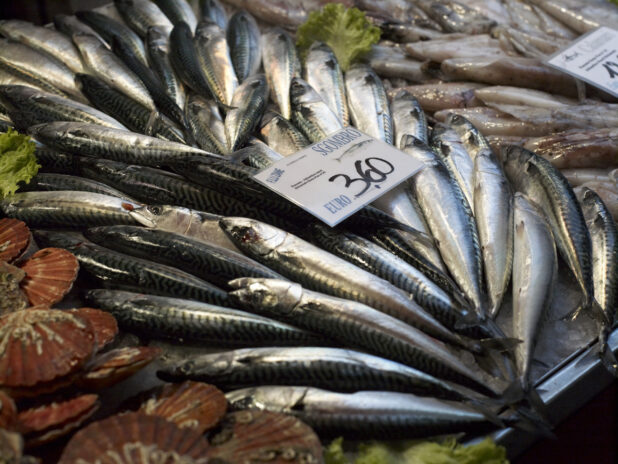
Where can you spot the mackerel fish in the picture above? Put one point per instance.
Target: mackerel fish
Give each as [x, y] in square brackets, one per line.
[408, 118]
[141, 15]
[248, 106]
[205, 124]
[178, 11]
[281, 135]
[213, 10]
[244, 38]
[120, 271]
[357, 325]
[45, 181]
[310, 113]
[195, 322]
[157, 46]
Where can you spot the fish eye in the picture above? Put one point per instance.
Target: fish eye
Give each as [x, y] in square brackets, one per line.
[156, 210]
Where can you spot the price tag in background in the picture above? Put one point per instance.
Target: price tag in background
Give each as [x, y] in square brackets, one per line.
[592, 58]
[334, 178]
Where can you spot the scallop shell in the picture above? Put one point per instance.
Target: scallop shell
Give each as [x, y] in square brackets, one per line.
[11, 297]
[117, 365]
[46, 423]
[41, 345]
[8, 411]
[14, 238]
[134, 438]
[104, 324]
[189, 404]
[50, 274]
[261, 436]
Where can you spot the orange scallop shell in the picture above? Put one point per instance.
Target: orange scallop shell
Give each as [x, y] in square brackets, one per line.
[116, 365]
[8, 411]
[14, 238]
[264, 436]
[189, 404]
[135, 438]
[46, 423]
[41, 345]
[50, 274]
[104, 324]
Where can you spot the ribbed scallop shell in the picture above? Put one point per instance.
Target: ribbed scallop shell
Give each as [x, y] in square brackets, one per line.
[117, 365]
[40, 345]
[135, 438]
[263, 436]
[14, 238]
[189, 404]
[46, 423]
[8, 411]
[50, 274]
[104, 324]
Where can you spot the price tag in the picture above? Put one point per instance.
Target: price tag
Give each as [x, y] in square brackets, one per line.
[592, 58]
[334, 178]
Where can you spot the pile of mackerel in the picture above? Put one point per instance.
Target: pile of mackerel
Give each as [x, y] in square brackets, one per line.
[150, 121]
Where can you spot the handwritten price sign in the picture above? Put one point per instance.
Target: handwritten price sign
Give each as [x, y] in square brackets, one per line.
[334, 178]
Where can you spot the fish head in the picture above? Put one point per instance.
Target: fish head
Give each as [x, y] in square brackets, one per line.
[254, 237]
[459, 123]
[210, 366]
[301, 91]
[162, 216]
[274, 296]
[156, 36]
[58, 239]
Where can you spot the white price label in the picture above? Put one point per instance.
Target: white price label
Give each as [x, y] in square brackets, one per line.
[592, 58]
[334, 178]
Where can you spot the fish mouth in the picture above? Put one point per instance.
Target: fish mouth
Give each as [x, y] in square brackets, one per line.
[140, 216]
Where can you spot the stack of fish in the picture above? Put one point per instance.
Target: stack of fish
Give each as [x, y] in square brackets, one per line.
[151, 121]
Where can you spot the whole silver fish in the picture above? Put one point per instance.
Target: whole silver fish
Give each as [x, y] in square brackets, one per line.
[33, 106]
[334, 368]
[213, 54]
[450, 221]
[281, 135]
[473, 140]
[281, 64]
[447, 144]
[19, 78]
[99, 141]
[104, 64]
[194, 321]
[319, 270]
[362, 415]
[408, 118]
[357, 325]
[534, 272]
[44, 181]
[203, 119]
[604, 237]
[68, 208]
[44, 39]
[248, 106]
[547, 187]
[243, 36]
[141, 15]
[310, 113]
[16, 56]
[369, 109]
[178, 11]
[213, 10]
[157, 46]
[323, 73]
[198, 225]
[69, 25]
[494, 220]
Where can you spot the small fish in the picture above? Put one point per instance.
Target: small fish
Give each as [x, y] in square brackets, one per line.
[141, 15]
[157, 46]
[281, 135]
[408, 118]
[214, 11]
[310, 113]
[443, 95]
[248, 106]
[205, 124]
[178, 11]
[281, 65]
[243, 35]
[44, 181]
[196, 322]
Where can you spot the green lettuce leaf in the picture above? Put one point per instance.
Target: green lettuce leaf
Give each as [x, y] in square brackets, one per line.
[423, 452]
[346, 31]
[17, 161]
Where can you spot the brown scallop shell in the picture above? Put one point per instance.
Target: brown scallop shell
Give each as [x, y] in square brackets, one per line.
[11, 296]
[262, 436]
[189, 404]
[116, 365]
[14, 238]
[50, 274]
[46, 423]
[134, 438]
[8, 411]
[104, 324]
[41, 345]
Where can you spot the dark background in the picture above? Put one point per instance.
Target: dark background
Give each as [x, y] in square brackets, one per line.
[588, 436]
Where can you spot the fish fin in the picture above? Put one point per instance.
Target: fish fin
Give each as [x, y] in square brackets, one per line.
[514, 393]
[500, 344]
[485, 408]
[152, 120]
[529, 421]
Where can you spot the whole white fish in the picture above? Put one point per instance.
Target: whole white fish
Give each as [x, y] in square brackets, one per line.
[442, 49]
[443, 95]
[534, 272]
[502, 94]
